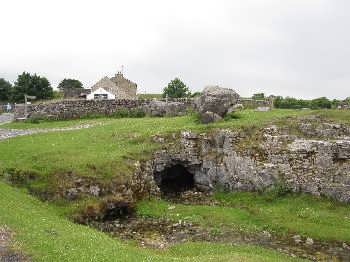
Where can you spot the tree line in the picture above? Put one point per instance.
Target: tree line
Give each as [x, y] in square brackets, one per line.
[294, 103]
[40, 87]
[32, 85]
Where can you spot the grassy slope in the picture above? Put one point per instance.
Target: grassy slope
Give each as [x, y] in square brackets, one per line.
[47, 236]
[302, 214]
[106, 147]
[101, 150]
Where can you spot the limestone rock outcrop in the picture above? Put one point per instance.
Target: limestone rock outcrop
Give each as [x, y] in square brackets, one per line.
[272, 157]
[215, 102]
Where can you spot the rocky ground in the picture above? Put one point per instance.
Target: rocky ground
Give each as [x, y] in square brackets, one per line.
[6, 117]
[160, 233]
[7, 254]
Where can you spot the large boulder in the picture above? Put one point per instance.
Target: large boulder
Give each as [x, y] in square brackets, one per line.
[216, 101]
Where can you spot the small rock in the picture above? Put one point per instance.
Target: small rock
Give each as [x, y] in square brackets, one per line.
[297, 239]
[267, 234]
[209, 117]
[94, 190]
[309, 241]
[71, 193]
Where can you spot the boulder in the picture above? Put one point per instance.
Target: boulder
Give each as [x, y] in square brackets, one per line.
[209, 117]
[215, 100]
[235, 108]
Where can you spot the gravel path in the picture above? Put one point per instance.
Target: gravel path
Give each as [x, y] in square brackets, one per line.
[6, 117]
[8, 133]
[6, 253]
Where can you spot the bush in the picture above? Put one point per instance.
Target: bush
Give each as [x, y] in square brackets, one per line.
[293, 103]
[176, 89]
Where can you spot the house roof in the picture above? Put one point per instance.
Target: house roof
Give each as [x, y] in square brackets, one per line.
[104, 83]
[101, 91]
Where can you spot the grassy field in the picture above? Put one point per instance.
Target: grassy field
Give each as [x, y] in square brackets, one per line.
[103, 151]
[100, 151]
[291, 214]
[46, 236]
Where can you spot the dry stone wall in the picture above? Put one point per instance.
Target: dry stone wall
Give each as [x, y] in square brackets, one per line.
[71, 109]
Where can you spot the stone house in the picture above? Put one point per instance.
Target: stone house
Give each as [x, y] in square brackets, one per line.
[118, 85]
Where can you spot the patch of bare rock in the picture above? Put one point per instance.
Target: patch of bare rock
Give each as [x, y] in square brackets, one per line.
[160, 233]
[7, 254]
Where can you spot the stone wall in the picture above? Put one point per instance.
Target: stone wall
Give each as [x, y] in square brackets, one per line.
[252, 103]
[71, 109]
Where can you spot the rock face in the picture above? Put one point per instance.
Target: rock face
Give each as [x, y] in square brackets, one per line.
[272, 157]
[215, 101]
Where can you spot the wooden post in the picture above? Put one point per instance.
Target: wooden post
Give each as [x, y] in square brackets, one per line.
[25, 106]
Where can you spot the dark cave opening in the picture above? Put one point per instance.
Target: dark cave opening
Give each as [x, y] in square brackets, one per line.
[175, 179]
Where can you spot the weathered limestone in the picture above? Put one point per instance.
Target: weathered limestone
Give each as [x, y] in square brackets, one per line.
[215, 102]
[220, 160]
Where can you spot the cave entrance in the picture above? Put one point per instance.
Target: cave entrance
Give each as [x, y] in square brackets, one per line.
[175, 179]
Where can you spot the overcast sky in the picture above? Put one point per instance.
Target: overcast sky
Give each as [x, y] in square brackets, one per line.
[292, 47]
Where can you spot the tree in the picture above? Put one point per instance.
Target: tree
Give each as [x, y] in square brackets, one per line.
[321, 102]
[5, 90]
[175, 89]
[33, 85]
[258, 96]
[70, 83]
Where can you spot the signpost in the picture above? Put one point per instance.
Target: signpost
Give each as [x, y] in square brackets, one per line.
[26, 97]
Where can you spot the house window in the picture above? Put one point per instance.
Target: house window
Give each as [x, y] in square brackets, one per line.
[100, 96]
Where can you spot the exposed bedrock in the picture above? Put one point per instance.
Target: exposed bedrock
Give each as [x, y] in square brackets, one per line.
[229, 160]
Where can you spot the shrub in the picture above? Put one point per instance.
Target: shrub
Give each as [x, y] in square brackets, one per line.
[176, 89]
[293, 103]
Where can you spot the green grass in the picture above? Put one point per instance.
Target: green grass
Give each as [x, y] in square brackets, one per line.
[101, 151]
[302, 214]
[47, 236]
[336, 115]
